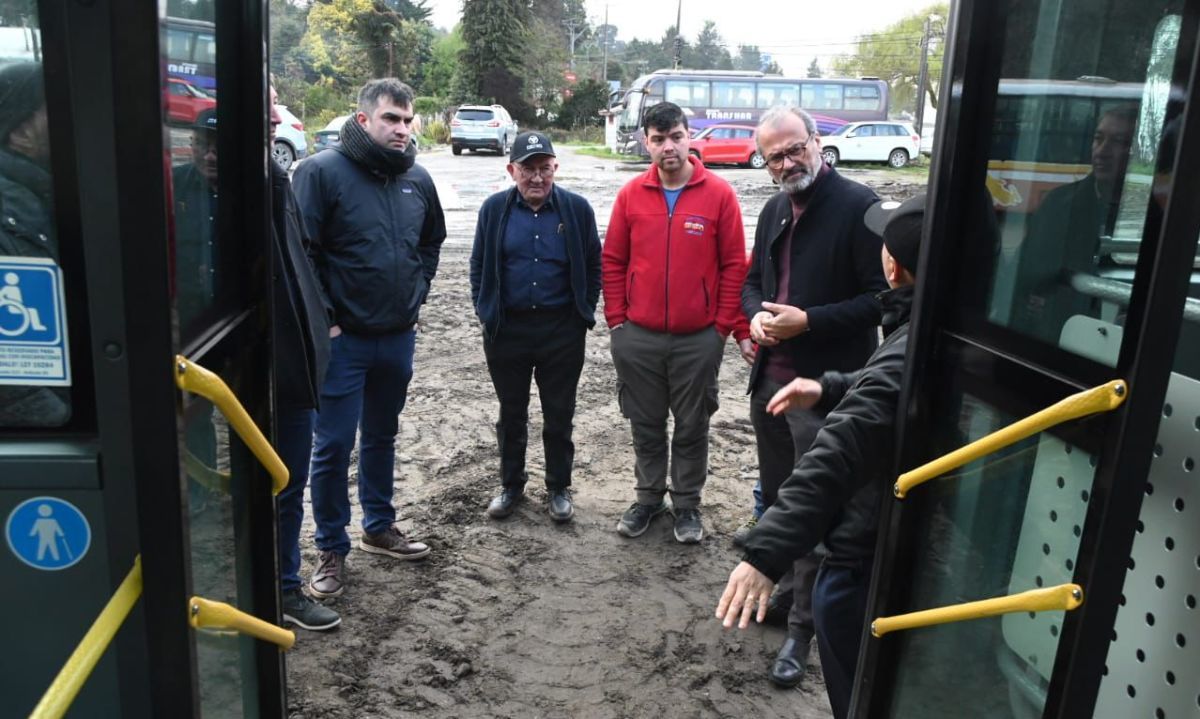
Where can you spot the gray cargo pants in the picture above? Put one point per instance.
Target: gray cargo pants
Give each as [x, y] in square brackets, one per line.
[659, 373]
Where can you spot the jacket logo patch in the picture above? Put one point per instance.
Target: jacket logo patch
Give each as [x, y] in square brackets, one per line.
[693, 225]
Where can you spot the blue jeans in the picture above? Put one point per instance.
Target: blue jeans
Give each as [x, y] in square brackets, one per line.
[293, 441]
[759, 507]
[364, 390]
[839, 601]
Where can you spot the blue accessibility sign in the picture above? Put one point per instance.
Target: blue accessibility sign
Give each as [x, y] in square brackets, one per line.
[48, 533]
[33, 327]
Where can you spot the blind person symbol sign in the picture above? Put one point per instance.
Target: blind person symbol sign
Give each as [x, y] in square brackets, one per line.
[33, 337]
[48, 533]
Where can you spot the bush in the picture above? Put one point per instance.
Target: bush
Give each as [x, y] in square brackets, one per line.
[435, 133]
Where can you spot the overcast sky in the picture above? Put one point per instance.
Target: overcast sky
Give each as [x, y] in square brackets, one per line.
[792, 32]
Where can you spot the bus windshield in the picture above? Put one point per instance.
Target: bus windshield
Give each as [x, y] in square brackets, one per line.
[632, 115]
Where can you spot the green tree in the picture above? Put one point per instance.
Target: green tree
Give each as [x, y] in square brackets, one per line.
[580, 109]
[894, 55]
[814, 69]
[709, 52]
[749, 57]
[440, 72]
[545, 77]
[495, 34]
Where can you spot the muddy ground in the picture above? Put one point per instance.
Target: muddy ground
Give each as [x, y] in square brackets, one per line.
[523, 617]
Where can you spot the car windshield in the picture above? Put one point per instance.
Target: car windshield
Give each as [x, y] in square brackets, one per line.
[702, 134]
[840, 131]
[477, 115]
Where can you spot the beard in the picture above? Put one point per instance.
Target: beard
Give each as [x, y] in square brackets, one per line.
[798, 181]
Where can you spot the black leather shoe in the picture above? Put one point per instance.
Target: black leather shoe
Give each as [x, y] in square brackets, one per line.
[791, 662]
[778, 610]
[561, 507]
[505, 502]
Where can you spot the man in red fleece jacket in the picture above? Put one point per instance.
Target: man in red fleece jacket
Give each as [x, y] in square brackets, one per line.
[673, 265]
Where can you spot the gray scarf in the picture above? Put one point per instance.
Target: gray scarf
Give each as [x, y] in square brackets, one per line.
[358, 146]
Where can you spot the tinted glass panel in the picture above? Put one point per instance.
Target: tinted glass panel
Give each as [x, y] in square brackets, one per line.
[688, 93]
[821, 97]
[35, 363]
[476, 115]
[733, 94]
[1073, 151]
[861, 98]
[1002, 525]
[773, 93]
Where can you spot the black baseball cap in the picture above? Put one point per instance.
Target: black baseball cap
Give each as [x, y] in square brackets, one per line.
[206, 120]
[899, 224]
[529, 144]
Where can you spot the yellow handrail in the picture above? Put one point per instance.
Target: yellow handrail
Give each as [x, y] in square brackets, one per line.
[71, 678]
[1063, 597]
[197, 380]
[211, 479]
[1104, 398]
[204, 614]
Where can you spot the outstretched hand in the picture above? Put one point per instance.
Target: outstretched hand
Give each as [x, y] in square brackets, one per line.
[800, 393]
[748, 590]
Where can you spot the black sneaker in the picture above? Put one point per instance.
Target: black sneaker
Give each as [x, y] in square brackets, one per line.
[307, 614]
[636, 519]
[688, 528]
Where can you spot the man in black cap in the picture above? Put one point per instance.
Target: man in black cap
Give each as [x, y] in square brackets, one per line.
[535, 279]
[194, 188]
[27, 219]
[833, 494]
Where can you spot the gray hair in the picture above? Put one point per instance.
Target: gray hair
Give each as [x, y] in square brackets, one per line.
[375, 90]
[778, 113]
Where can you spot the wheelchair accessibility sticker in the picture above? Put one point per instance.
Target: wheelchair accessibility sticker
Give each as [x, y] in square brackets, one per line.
[33, 337]
[48, 533]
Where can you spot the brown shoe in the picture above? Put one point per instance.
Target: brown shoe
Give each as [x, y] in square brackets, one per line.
[329, 579]
[392, 543]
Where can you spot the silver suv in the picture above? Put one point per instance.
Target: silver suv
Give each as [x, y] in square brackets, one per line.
[482, 127]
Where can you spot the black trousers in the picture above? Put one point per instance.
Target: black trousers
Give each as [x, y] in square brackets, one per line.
[781, 442]
[546, 346]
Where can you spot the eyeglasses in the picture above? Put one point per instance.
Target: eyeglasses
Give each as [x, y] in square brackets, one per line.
[795, 152]
[530, 172]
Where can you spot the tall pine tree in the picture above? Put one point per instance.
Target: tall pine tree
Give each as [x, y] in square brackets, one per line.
[495, 34]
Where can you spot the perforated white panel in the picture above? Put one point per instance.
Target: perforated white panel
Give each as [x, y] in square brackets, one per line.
[1153, 667]
[1058, 497]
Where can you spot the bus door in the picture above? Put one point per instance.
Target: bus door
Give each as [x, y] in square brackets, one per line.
[139, 267]
[1052, 569]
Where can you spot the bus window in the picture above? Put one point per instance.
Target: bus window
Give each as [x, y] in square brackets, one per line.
[688, 93]
[179, 46]
[35, 362]
[823, 96]
[205, 50]
[862, 98]
[733, 94]
[771, 94]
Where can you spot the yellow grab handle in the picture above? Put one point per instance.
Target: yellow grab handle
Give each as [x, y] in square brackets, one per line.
[197, 380]
[1104, 398]
[204, 614]
[211, 479]
[1064, 596]
[74, 674]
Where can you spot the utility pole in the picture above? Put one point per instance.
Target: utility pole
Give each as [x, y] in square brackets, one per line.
[575, 30]
[604, 72]
[391, 46]
[679, 35]
[922, 78]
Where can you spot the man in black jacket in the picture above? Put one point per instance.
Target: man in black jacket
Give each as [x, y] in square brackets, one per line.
[810, 299]
[535, 279]
[376, 227]
[300, 356]
[833, 494]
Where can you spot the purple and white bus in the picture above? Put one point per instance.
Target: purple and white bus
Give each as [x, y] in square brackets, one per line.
[740, 97]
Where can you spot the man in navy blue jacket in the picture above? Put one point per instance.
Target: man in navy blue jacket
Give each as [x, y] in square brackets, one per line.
[535, 279]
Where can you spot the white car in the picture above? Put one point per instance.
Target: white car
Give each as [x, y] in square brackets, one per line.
[290, 142]
[878, 141]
